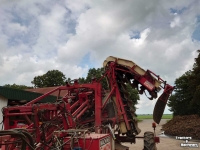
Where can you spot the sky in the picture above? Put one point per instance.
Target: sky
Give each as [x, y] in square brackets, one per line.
[73, 36]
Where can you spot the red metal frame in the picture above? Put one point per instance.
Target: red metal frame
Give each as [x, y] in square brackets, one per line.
[80, 100]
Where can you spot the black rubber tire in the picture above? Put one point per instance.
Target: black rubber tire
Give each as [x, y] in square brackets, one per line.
[149, 142]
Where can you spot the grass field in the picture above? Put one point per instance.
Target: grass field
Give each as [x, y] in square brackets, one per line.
[150, 116]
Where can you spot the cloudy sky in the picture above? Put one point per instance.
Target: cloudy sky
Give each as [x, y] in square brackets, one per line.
[73, 36]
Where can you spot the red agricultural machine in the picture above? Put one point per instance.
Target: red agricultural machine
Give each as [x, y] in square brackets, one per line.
[87, 117]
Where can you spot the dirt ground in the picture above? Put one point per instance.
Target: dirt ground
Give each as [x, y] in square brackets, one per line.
[166, 143]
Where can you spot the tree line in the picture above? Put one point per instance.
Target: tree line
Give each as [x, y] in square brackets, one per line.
[56, 78]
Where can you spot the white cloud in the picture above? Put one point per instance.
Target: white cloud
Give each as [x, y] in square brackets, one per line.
[175, 22]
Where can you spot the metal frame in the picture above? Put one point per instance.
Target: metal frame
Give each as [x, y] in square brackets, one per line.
[67, 113]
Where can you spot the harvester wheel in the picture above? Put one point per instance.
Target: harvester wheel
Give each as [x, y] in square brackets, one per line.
[149, 142]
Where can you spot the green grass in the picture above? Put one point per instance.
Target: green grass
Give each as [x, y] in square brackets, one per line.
[150, 116]
[140, 120]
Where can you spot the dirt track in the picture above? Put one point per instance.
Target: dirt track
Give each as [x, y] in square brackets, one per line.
[166, 143]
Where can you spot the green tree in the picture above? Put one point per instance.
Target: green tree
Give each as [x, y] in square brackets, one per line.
[97, 73]
[20, 87]
[68, 80]
[194, 85]
[186, 99]
[81, 80]
[94, 73]
[133, 94]
[180, 101]
[49, 79]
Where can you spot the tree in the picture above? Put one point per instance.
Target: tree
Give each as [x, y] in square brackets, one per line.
[68, 80]
[94, 73]
[186, 99]
[49, 79]
[81, 80]
[97, 73]
[20, 87]
[180, 102]
[133, 95]
[194, 85]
